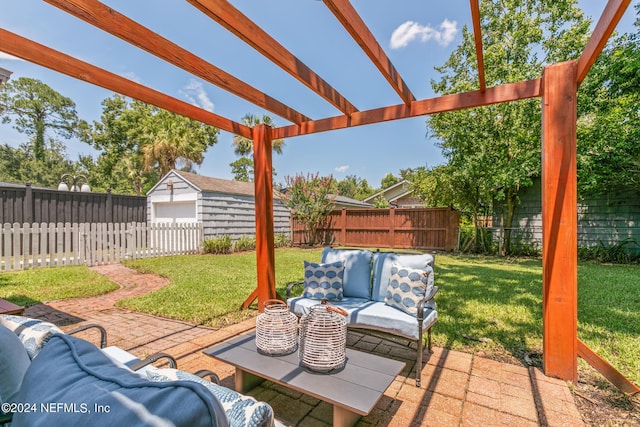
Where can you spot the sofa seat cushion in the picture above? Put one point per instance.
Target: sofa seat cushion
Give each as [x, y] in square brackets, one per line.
[241, 410]
[356, 281]
[14, 362]
[363, 313]
[80, 386]
[33, 333]
[382, 262]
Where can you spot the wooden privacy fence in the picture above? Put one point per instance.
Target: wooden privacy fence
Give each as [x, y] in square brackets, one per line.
[419, 228]
[25, 246]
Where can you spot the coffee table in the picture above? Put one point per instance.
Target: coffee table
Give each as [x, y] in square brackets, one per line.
[353, 391]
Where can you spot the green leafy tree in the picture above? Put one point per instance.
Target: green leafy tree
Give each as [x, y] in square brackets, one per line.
[389, 180]
[242, 169]
[19, 164]
[494, 151]
[36, 108]
[310, 199]
[139, 143]
[608, 119]
[354, 187]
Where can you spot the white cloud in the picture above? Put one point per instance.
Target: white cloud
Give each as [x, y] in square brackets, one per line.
[409, 31]
[195, 93]
[9, 57]
[342, 168]
[132, 76]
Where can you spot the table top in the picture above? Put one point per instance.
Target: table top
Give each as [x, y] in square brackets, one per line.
[357, 387]
[7, 307]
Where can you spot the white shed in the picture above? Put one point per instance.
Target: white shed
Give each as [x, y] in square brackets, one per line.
[225, 207]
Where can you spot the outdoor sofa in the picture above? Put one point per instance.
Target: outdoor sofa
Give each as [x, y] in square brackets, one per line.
[387, 292]
[48, 378]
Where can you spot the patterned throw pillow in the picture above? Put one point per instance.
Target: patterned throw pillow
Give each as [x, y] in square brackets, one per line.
[323, 281]
[407, 287]
[33, 333]
[241, 410]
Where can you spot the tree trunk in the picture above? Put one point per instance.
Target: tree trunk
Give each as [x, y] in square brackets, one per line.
[510, 200]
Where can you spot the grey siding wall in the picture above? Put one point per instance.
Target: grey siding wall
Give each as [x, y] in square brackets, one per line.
[234, 215]
[609, 218]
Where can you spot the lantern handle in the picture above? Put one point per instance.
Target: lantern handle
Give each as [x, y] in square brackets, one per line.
[273, 302]
[330, 307]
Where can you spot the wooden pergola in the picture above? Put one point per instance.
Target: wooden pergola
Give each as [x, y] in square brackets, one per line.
[557, 87]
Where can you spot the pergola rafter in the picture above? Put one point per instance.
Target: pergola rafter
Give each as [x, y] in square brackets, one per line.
[248, 31]
[119, 25]
[557, 89]
[355, 26]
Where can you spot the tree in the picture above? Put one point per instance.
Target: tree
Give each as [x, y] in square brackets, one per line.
[608, 120]
[354, 187]
[493, 151]
[140, 143]
[311, 199]
[389, 180]
[242, 168]
[19, 165]
[36, 108]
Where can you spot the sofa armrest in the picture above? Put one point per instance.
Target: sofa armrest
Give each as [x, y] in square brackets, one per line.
[290, 287]
[103, 332]
[204, 373]
[154, 358]
[428, 297]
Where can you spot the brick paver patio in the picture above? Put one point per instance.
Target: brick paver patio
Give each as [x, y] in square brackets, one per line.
[459, 389]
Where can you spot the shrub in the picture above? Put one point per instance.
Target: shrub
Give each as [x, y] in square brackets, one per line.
[623, 252]
[217, 245]
[281, 240]
[244, 243]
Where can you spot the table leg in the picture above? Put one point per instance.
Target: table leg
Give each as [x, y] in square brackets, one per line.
[245, 381]
[343, 417]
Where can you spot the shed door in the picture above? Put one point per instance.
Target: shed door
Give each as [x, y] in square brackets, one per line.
[175, 211]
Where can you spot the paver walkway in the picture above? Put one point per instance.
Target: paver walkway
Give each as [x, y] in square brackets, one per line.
[459, 389]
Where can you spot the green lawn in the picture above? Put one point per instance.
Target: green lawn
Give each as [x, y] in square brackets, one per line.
[494, 299]
[48, 284]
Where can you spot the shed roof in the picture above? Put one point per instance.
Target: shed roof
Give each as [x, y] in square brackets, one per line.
[219, 185]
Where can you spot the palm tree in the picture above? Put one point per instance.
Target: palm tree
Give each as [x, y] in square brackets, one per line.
[244, 146]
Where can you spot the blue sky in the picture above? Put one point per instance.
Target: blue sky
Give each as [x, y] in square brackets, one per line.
[416, 34]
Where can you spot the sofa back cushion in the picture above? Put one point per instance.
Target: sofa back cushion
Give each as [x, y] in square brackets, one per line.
[356, 281]
[86, 388]
[14, 362]
[382, 262]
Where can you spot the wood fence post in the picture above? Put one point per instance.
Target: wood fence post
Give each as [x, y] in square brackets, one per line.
[343, 227]
[28, 203]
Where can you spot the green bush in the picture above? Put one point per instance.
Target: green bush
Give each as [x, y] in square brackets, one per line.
[217, 245]
[623, 252]
[281, 240]
[244, 243]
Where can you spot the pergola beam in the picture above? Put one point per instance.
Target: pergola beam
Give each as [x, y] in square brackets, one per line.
[225, 14]
[503, 93]
[119, 25]
[611, 15]
[31, 51]
[353, 23]
[477, 34]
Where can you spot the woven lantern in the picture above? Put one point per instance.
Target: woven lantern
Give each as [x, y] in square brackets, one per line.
[276, 329]
[323, 338]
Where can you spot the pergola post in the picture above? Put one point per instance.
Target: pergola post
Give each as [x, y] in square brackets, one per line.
[559, 221]
[263, 181]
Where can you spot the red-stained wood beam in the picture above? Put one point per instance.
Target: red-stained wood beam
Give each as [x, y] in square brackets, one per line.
[355, 26]
[559, 222]
[608, 21]
[263, 182]
[477, 34]
[605, 368]
[504, 93]
[31, 51]
[115, 23]
[225, 14]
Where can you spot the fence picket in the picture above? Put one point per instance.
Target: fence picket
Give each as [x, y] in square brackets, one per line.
[36, 245]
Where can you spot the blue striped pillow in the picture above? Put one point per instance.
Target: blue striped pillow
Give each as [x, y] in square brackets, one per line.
[323, 281]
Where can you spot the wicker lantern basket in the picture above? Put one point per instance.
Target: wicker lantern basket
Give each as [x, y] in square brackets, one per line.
[276, 329]
[323, 338]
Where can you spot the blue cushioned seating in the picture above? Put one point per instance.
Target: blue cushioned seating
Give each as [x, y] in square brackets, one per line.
[81, 386]
[366, 279]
